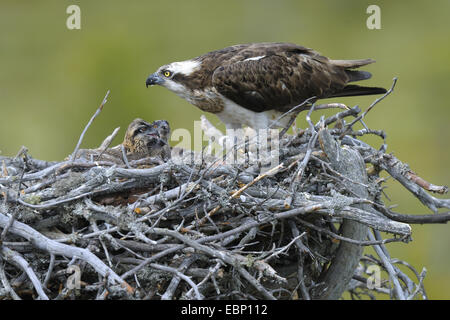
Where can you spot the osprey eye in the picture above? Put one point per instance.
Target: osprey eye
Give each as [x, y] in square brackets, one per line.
[167, 73]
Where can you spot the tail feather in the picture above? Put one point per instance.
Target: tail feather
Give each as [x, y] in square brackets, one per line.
[354, 75]
[351, 64]
[354, 90]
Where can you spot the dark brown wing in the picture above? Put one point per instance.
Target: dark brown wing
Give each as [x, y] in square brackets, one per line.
[241, 52]
[279, 80]
[285, 76]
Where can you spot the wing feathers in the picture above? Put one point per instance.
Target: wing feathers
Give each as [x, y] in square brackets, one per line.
[278, 76]
[354, 75]
[354, 90]
[351, 63]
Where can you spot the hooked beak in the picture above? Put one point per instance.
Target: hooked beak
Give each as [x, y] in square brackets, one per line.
[153, 79]
[153, 135]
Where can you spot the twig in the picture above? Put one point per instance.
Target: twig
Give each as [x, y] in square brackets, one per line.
[170, 291]
[16, 258]
[210, 274]
[419, 219]
[14, 215]
[283, 249]
[51, 265]
[54, 247]
[296, 110]
[425, 184]
[124, 156]
[227, 258]
[373, 104]
[107, 142]
[302, 249]
[237, 193]
[390, 269]
[99, 109]
[151, 259]
[181, 275]
[5, 282]
[349, 112]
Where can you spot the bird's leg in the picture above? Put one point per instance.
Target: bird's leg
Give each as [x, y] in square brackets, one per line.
[213, 135]
[291, 121]
[233, 131]
[234, 142]
[268, 148]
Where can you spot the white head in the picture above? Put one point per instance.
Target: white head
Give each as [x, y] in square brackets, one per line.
[165, 75]
[183, 67]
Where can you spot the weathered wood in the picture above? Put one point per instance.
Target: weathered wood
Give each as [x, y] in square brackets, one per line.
[248, 228]
[349, 163]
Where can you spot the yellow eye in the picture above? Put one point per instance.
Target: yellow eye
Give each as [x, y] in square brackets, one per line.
[167, 73]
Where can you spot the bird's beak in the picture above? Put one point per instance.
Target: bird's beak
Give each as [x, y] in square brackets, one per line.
[153, 135]
[153, 79]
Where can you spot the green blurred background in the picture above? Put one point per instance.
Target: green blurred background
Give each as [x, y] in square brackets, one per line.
[52, 79]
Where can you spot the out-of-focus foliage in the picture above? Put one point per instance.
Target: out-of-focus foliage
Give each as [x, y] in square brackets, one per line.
[52, 79]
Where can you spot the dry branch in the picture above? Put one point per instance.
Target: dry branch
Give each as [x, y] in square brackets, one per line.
[212, 230]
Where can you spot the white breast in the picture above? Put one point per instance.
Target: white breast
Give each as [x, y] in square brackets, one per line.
[235, 116]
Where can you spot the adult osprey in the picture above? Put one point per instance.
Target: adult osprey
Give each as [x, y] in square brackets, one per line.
[254, 84]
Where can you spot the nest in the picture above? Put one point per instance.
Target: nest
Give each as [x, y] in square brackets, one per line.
[79, 229]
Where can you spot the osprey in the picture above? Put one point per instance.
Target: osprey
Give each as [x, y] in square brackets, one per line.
[255, 84]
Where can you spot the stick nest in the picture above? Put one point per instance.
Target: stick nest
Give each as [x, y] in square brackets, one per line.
[209, 230]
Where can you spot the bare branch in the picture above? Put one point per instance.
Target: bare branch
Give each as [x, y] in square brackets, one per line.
[99, 109]
[214, 229]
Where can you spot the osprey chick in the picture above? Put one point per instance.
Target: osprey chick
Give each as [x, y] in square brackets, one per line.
[141, 140]
[254, 84]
